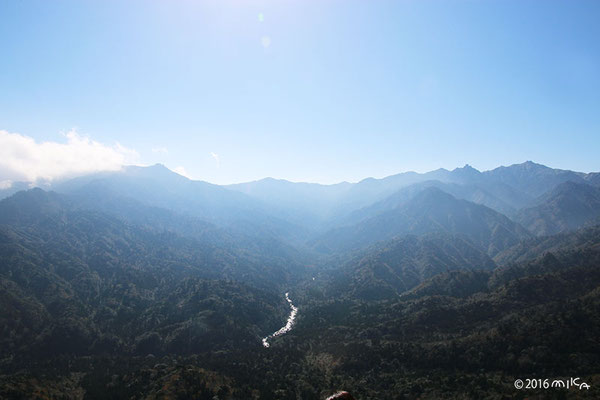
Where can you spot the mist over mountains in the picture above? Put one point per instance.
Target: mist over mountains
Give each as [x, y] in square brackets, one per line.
[317, 206]
[142, 283]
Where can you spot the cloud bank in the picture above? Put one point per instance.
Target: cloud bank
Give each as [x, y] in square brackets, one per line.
[24, 159]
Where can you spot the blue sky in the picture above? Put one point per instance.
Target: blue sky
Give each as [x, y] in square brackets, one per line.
[319, 91]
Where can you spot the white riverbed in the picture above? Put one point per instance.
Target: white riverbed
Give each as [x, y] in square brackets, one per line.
[288, 325]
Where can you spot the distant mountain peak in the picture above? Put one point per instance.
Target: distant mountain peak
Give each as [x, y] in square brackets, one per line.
[153, 171]
[527, 165]
[138, 167]
[530, 165]
[467, 167]
[369, 179]
[466, 172]
[158, 166]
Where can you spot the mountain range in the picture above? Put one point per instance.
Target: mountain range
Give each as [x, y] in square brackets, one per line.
[141, 283]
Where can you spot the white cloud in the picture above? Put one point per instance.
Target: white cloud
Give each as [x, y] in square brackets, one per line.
[7, 184]
[216, 157]
[24, 159]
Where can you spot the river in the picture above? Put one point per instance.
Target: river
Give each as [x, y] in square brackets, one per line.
[287, 327]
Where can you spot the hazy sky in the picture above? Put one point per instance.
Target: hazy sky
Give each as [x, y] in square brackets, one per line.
[229, 91]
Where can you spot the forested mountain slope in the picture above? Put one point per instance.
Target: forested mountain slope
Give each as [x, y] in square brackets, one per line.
[82, 282]
[431, 210]
[389, 268]
[567, 207]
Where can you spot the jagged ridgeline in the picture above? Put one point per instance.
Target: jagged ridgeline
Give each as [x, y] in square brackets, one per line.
[450, 284]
